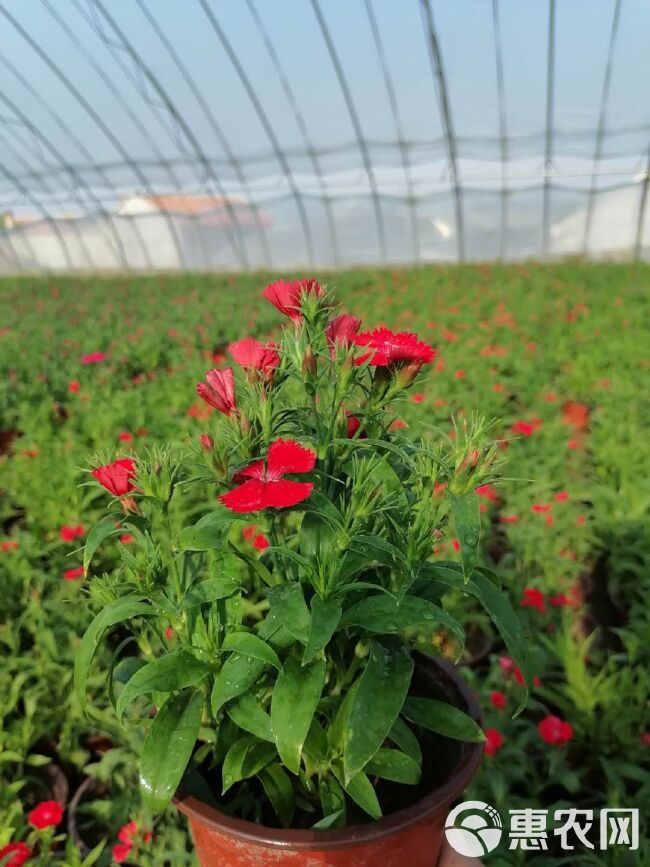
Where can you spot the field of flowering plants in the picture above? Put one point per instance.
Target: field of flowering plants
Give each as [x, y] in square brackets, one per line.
[96, 369]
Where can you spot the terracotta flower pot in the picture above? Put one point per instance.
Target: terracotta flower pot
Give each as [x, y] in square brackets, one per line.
[411, 836]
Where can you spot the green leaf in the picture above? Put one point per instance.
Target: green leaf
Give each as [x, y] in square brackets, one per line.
[114, 612]
[245, 758]
[247, 644]
[210, 590]
[325, 616]
[279, 791]
[288, 603]
[295, 697]
[360, 789]
[467, 518]
[499, 609]
[383, 614]
[394, 765]
[383, 686]
[173, 671]
[168, 746]
[237, 676]
[250, 716]
[207, 533]
[375, 548]
[332, 798]
[102, 530]
[317, 537]
[403, 737]
[443, 718]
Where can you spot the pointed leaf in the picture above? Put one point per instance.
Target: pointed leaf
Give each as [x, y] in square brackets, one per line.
[467, 518]
[288, 603]
[360, 789]
[325, 616]
[295, 697]
[443, 718]
[395, 766]
[173, 671]
[250, 716]
[168, 746]
[211, 590]
[245, 758]
[237, 676]
[251, 645]
[383, 614]
[279, 791]
[102, 530]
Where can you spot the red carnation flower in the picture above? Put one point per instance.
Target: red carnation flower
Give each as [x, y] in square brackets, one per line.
[488, 492]
[121, 852]
[555, 731]
[561, 496]
[342, 330]
[266, 488]
[533, 598]
[127, 832]
[207, 442]
[493, 741]
[523, 428]
[388, 349]
[253, 355]
[576, 415]
[74, 386]
[286, 295]
[117, 477]
[69, 533]
[73, 574]
[45, 814]
[498, 699]
[20, 853]
[561, 600]
[127, 538]
[219, 391]
[93, 358]
[125, 437]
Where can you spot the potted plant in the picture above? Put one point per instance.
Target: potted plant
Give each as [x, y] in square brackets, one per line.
[286, 675]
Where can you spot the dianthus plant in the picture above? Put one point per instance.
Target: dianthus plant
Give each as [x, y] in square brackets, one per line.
[267, 649]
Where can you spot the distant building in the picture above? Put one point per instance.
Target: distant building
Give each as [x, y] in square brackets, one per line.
[208, 210]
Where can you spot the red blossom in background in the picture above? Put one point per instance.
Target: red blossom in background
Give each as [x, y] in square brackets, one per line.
[253, 355]
[488, 492]
[342, 330]
[576, 415]
[561, 600]
[493, 741]
[498, 699]
[93, 358]
[117, 477]
[533, 598]
[390, 349]
[266, 488]
[526, 428]
[121, 852]
[127, 538]
[219, 392]
[207, 442]
[257, 540]
[555, 731]
[45, 815]
[68, 533]
[286, 295]
[20, 853]
[561, 496]
[74, 386]
[125, 437]
[74, 573]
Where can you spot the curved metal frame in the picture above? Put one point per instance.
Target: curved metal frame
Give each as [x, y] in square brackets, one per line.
[548, 147]
[503, 128]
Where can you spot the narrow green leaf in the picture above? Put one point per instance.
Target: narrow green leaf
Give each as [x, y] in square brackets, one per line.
[245, 758]
[237, 676]
[403, 737]
[288, 602]
[211, 590]
[250, 716]
[114, 612]
[251, 645]
[173, 671]
[467, 518]
[295, 697]
[383, 686]
[102, 530]
[360, 789]
[325, 616]
[279, 791]
[394, 765]
[317, 537]
[207, 533]
[332, 798]
[443, 718]
[168, 746]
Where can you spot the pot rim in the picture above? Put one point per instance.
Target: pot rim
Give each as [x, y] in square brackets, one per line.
[352, 835]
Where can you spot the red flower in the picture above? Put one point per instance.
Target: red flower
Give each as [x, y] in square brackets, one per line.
[455, 544]
[45, 814]
[498, 699]
[533, 598]
[207, 442]
[169, 633]
[561, 600]
[576, 415]
[219, 391]
[93, 358]
[561, 496]
[506, 664]
[74, 386]
[417, 398]
[286, 295]
[117, 477]
[73, 574]
[8, 545]
[342, 330]
[509, 519]
[555, 731]
[460, 374]
[121, 852]
[260, 542]
[127, 832]
[541, 508]
[253, 355]
[266, 488]
[388, 349]
[645, 739]
[125, 437]
[488, 492]
[70, 533]
[526, 429]
[493, 741]
[126, 538]
[20, 853]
